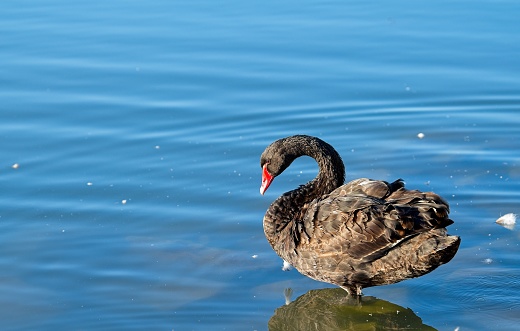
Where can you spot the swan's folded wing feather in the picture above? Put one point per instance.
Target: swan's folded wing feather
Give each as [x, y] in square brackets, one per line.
[350, 225]
[369, 187]
[364, 228]
[365, 218]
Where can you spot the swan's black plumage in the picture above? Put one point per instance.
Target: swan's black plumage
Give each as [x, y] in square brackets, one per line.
[361, 234]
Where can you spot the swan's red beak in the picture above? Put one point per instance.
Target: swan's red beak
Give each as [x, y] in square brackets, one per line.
[267, 178]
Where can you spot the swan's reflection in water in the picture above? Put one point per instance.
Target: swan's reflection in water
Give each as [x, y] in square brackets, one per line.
[331, 309]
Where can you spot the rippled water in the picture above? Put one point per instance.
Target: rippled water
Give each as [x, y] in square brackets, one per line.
[131, 132]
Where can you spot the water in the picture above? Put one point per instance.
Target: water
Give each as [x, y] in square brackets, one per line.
[136, 128]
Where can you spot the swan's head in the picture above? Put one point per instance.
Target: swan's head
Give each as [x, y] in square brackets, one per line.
[276, 158]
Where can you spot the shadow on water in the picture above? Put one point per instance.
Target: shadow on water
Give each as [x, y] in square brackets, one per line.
[331, 309]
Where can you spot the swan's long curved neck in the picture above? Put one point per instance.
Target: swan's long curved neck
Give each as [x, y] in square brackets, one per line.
[331, 173]
[290, 208]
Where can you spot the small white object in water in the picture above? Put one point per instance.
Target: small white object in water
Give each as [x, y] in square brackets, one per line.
[488, 261]
[123, 202]
[286, 266]
[508, 221]
[254, 256]
[457, 328]
[420, 135]
[15, 166]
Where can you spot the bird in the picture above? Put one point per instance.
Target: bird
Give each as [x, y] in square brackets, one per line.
[357, 235]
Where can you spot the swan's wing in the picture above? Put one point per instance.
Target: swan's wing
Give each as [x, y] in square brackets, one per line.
[369, 187]
[352, 225]
[366, 227]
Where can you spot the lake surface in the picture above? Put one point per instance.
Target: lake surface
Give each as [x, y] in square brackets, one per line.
[130, 136]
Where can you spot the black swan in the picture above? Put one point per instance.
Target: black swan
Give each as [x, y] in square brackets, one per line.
[361, 234]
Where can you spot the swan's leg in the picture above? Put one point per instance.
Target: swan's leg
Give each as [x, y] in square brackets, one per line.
[353, 290]
[358, 290]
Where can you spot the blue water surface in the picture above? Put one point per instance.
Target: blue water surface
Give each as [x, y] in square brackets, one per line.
[130, 136]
